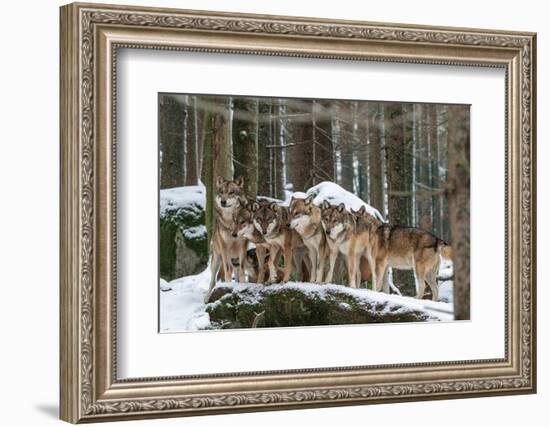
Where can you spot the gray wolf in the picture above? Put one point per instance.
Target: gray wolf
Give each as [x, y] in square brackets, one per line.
[228, 253]
[305, 219]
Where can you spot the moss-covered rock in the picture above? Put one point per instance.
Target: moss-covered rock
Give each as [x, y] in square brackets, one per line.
[183, 242]
[245, 306]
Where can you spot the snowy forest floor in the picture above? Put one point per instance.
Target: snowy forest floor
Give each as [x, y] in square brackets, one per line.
[182, 307]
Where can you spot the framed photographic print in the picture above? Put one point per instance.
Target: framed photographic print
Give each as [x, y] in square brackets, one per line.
[265, 212]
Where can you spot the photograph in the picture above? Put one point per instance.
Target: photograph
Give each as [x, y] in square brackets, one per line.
[293, 212]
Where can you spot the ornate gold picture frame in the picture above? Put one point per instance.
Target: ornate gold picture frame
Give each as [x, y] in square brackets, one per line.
[90, 36]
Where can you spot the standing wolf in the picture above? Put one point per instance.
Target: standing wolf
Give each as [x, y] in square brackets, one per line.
[271, 221]
[305, 218]
[243, 228]
[343, 238]
[408, 248]
[228, 252]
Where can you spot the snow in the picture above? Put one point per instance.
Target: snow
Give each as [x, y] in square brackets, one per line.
[190, 196]
[196, 232]
[182, 307]
[335, 195]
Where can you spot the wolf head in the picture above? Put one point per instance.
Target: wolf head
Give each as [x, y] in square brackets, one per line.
[365, 219]
[267, 218]
[228, 192]
[301, 212]
[334, 219]
[243, 225]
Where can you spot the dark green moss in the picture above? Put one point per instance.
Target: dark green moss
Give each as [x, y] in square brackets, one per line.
[173, 226]
[282, 307]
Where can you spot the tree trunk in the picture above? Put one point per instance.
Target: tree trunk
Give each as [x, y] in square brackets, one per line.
[172, 144]
[407, 161]
[395, 167]
[375, 124]
[346, 145]
[324, 165]
[443, 152]
[423, 159]
[245, 143]
[362, 150]
[435, 157]
[398, 172]
[278, 154]
[216, 152]
[191, 143]
[300, 153]
[265, 139]
[458, 186]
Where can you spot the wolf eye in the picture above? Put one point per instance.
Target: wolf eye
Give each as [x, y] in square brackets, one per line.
[231, 193]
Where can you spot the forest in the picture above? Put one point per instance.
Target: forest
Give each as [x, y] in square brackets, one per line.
[410, 161]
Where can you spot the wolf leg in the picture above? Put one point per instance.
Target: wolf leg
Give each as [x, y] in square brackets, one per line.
[271, 264]
[381, 272]
[314, 265]
[215, 263]
[432, 282]
[260, 255]
[420, 278]
[386, 283]
[352, 272]
[333, 255]
[288, 262]
[321, 264]
[242, 258]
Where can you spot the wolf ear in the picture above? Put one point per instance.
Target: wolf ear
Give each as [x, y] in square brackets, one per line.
[274, 207]
[254, 206]
[219, 181]
[362, 210]
[309, 199]
[326, 204]
[341, 207]
[240, 181]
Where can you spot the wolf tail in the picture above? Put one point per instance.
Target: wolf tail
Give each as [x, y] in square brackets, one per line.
[445, 250]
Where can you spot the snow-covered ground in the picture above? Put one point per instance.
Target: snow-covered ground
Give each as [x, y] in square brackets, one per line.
[182, 307]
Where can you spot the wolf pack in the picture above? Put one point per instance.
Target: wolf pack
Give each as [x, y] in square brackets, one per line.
[260, 240]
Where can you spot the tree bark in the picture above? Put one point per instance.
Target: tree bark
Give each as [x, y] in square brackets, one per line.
[216, 151]
[278, 154]
[324, 165]
[172, 144]
[245, 143]
[346, 145]
[395, 168]
[300, 153]
[362, 150]
[423, 160]
[435, 163]
[265, 154]
[375, 156]
[191, 143]
[407, 160]
[458, 186]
